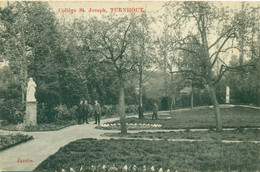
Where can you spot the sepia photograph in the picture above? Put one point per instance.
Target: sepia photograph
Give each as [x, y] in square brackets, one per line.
[129, 86]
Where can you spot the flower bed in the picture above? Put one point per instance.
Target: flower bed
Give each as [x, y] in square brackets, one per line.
[182, 156]
[7, 141]
[113, 168]
[39, 127]
[130, 126]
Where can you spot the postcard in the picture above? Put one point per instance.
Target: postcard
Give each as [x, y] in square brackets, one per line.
[129, 86]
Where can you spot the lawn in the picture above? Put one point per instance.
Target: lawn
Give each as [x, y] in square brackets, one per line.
[235, 117]
[234, 135]
[7, 141]
[181, 156]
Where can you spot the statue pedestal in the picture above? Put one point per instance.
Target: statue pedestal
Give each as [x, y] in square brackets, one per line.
[31, 111]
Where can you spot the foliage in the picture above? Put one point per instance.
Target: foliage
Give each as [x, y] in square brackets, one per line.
[244, 85]
[12, 110]
[10, 106]
[41, 113]
[199, 52]
[64, 113]
[53, 126]
[7, 141]
[181, 156]
[131, 109]
[112, 110]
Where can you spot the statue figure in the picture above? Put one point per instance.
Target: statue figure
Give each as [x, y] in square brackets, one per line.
[30, 97]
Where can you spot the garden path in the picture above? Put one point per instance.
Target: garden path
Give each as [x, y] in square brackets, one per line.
[47, 143]
[44, 144]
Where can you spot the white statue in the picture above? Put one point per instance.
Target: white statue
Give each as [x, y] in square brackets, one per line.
[30, 97]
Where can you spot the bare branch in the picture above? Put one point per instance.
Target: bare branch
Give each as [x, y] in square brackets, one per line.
[124, 43]
[149, 75]
[220, 48]
[222, 70]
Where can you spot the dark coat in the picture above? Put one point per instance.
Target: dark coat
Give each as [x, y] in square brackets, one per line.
[97, 108]
[155, 108]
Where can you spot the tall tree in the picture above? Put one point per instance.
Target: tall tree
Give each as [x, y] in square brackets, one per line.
[204, 45]
[29, 38]
[142, 50]
[110, 40]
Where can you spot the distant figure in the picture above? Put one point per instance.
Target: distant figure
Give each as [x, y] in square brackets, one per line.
[30, 96]
[80, 111]
[87, 110]
[155, 110]
[97, 111]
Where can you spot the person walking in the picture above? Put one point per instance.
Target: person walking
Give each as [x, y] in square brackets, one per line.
[97, 111]
[155, 111]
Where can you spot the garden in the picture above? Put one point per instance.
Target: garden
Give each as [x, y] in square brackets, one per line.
[203, 54]
[233, 117]
[240, 134]
[113, 155]
[235, 149]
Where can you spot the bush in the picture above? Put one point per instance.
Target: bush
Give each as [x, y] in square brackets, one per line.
[109, 110]
[41, 113]
[64, 113]
[7, 141]
[131, 109]
[12, 110]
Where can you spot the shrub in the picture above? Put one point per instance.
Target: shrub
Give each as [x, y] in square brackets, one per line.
[7, 141]
[64, 113]
[109, 110]
[41, 113]
[131, 109]
[12, 110]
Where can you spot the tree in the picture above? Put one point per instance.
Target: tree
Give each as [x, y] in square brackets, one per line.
[29, 38]
[110, 40]
[142, 50]
[200, 55]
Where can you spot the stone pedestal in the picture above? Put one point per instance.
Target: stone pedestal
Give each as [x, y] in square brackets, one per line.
[31, 113]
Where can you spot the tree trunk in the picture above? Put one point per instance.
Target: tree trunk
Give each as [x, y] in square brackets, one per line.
[23, 83]
[25, 67]
[140, 91]
[23, 93]
[172, 102]
[122, 106]
[258, 97]
[191, 98]
[216, 107]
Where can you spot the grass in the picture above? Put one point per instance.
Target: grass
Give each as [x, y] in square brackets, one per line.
[234, 135]
[39, 127]
[7, 141]
[235, 117]
[181, 156]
